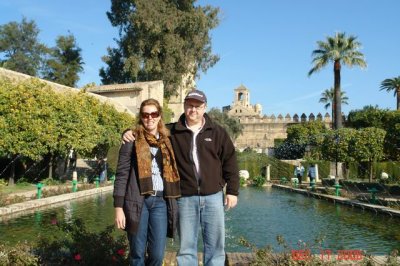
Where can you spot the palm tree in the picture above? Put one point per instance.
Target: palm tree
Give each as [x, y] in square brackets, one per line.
[327, 98]
[392, 84]
[337, 49]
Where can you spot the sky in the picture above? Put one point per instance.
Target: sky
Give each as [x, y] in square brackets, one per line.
[264, 45]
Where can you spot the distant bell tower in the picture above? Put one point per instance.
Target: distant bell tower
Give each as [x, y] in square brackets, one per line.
[242, 96]
[241, 106]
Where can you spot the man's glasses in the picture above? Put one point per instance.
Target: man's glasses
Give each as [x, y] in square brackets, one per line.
[197, 107]
[152, 114]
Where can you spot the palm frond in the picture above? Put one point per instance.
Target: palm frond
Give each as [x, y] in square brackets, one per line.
[391, 84]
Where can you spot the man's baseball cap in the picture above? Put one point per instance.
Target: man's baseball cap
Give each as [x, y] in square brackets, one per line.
[196, 95]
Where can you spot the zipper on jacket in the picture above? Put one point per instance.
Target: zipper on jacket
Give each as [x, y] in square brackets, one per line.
[192, 159]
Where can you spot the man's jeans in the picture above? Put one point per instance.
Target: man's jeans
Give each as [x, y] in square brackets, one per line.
[207, 212]
[152, 233]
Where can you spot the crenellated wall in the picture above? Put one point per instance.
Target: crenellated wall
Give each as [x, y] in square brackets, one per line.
[260, 131]
[244, 119]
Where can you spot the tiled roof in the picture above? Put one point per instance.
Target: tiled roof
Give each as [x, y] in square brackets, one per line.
[138, 86]
[241, 87]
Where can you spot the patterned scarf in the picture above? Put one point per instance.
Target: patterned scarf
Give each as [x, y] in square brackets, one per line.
[170, 172]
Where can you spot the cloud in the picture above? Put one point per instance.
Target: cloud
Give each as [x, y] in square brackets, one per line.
[292, 105]
[302, 98]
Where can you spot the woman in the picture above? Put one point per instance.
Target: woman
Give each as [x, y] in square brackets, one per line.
[146, 186]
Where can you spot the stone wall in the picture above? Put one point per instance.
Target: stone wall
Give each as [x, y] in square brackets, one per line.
[260, 131]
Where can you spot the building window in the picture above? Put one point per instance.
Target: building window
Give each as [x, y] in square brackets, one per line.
[240, 96]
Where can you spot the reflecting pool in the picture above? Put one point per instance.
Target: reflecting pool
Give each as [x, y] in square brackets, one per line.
[261, 215]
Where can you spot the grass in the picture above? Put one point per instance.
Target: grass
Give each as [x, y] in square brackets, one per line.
[24, 187]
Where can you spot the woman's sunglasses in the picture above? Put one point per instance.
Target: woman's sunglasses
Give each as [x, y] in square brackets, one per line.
[152, 114]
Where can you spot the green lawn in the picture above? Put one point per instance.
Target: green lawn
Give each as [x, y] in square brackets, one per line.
[17, 188]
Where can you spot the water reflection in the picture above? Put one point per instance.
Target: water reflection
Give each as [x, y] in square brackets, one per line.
[262, 215]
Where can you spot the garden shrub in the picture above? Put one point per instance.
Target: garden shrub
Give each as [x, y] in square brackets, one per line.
[242, 182]
[3, 183]
[50, 182]
[8, 200]
[78, 246]
[258, 180]
[17, 255]
[23, 182]
[254, 163]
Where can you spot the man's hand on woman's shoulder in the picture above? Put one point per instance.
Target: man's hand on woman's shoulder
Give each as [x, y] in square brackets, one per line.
[128, 136]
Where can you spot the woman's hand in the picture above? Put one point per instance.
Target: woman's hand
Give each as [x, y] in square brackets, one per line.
[120, 221]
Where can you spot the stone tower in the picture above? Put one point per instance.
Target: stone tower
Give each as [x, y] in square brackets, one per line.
[241, 106]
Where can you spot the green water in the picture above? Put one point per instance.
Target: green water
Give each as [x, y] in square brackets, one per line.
[261, 215]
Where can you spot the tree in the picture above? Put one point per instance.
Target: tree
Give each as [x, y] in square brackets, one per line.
[159, 40]
[335, 147]
[25, 129]
[290, 151]
[301, 137]
[367, 146]
[392, 139]
[327, 98]
[65, 62]
[20, 49]
[373, 116]
[231, 125]
[337, 49]
[36, 122]
[392, 84]
[369, 116]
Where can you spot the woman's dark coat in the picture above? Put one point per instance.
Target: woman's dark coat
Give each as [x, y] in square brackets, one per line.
[127, 194]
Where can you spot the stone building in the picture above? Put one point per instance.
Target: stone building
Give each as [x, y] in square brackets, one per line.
[131, 95]
[260, 131]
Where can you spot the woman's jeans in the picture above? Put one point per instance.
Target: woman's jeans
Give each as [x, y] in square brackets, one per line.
[206, 212]
[151, 235]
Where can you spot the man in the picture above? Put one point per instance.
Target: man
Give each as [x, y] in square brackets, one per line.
[206, 161]
[299, 172]
[312, 173]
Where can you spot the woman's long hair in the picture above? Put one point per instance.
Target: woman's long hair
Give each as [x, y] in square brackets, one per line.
[160, 126]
